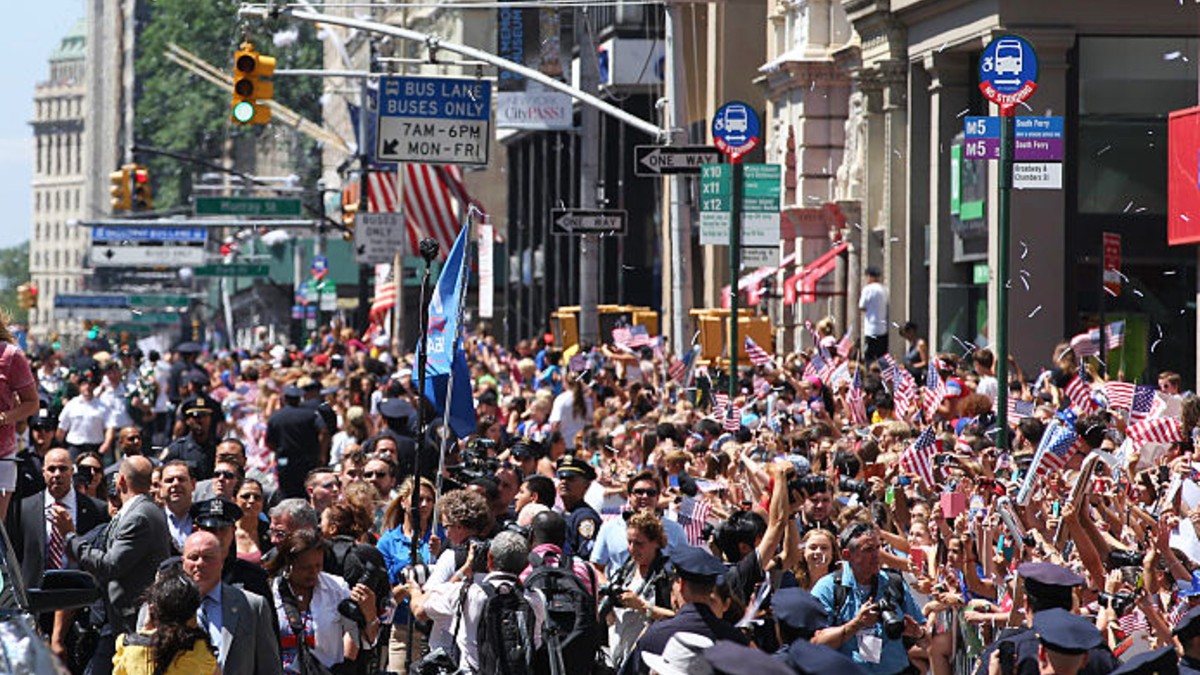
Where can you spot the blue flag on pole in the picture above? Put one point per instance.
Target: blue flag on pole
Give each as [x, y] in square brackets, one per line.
[445, 345]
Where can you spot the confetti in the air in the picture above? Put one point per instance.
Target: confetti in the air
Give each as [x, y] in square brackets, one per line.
[1154, 345]
[1172, 56]
[1169, 273]
[964, 112]
[1138, 293]
[1035, 311]
[1104, 150]
[1128, 206]
[1024, 250]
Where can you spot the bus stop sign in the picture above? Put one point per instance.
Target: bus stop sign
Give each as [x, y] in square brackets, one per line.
[1008, 71]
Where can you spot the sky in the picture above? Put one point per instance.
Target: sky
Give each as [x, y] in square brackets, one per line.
[42, 25]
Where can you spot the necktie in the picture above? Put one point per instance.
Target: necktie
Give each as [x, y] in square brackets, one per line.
[208, 608]
[56, 548]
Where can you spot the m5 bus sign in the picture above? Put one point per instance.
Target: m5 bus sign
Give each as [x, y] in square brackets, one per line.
[1008, 71]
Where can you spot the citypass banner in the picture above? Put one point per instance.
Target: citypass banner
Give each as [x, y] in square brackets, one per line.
[1183, 177]
[531, 37]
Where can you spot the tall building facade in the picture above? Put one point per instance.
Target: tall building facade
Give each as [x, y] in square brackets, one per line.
[57, 250]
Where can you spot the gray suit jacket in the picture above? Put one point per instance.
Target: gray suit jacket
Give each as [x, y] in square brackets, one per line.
[138, 540]
[250, 646]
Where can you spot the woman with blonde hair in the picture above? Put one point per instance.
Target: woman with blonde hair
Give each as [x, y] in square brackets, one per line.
[18, 401]
[396, 547]
[815, 557]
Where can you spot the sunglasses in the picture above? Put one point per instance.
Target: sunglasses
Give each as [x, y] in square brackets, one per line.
[251, 497]
[646, 492]
[227, 475]
[372, 475]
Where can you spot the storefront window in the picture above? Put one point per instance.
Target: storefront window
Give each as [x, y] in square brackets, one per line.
[1127, 87]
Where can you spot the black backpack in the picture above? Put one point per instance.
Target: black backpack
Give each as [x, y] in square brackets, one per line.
[505, 635]
[570, 630]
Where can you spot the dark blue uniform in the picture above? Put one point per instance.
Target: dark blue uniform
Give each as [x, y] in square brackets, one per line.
[583, 524]
[691, 618]
[1101, 660]
[1189, 666]
[198, 457]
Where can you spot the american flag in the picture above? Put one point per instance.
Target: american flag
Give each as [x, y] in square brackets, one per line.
[631, 336]
[762, 386]
[431, 199]
[678, 369]
[1133, 621]
[385, 292]
[1120, 394]
[1088, 343]
[758, 355]
[819, 367]
[733, 419]
[918, 458]
[1055, 449]
[1081, 395]
[1018, 409]
[1157, 430]
[720, 404]
[1116, 335]
[846, 344]
[889, 368]
[693, 516]
[855, 400]
[1145, 404]
[935, 391]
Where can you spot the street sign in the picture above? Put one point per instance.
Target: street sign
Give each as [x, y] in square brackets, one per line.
[981, 274]
[1008, 70]
[716, 202]
[179, 301]
[436, 120]
[320, 266]
[1037, 175]
[93, 313]
[147, 246]
[1037, 139]
[735, 129]
[760, 256]
[761, 191]
[377, 237]
[86, 300]
[233, 270]
[247, 206]
[587, 221]
[1112, 262]
[154, 318]
[659, 160]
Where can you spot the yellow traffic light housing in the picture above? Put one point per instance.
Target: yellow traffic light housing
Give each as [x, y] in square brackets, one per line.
[24, 299]
[139, 187]
[33, 295]
[250, 91]
[119, 189]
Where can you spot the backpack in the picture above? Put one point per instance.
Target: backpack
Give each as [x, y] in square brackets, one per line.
[505, 635]
[571, 630]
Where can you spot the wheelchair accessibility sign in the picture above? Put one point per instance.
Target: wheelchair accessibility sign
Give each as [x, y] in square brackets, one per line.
[1008, 70]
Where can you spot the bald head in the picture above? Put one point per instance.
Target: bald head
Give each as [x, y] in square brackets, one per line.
[58, 454]
[202, 559]
[136, 471]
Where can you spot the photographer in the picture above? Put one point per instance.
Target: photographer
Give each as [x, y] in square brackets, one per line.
[639, 592]
[611, 551]
[870, 609]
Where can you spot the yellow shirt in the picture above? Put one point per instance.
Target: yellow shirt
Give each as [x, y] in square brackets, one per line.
[137, 659]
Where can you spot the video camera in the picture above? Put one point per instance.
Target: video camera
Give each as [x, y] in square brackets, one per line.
[477, 462]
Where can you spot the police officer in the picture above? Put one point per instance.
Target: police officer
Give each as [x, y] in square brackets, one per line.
[575, 476]
[219, 516]
[696, 575]
[730, 658]
[198, 447]
[30, 458]
[1064, 641]
[1158, 662]
[1047, 586]
[1187, 631]
[798, 616]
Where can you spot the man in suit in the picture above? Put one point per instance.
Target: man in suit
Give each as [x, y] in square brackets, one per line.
[38, 532]
[237, 622]
[137, 541]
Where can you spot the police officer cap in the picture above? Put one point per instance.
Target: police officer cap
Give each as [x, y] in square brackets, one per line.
[215, 512]
[1049, 574]
[197, 377]
[292, 391]
[198, 406]
[807, 658]
[796, 608]
[396, 408]
[44, 420]
[696, 564]
[1066, 633]
[1162, 661]
[188, 348]
[729, 658]
[1189, 625]
[571, 465]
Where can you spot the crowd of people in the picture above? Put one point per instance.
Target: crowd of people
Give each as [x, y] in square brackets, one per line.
[301, 510]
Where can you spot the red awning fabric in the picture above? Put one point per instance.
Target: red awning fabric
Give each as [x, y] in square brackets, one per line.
[802, 286]
[750, 282]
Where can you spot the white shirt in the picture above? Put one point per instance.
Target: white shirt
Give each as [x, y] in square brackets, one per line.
[442, 607]
[873, 301]
[113, 397]
[988, 386]
[563, 412]
[84, 421]
[328, 623]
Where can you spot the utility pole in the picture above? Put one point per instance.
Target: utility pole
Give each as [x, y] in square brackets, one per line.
[589, 173]
[680, 215]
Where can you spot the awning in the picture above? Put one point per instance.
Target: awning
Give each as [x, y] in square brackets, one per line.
[802, 286]
[749, 282]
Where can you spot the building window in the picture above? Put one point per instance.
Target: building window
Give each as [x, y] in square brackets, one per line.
[1127, 87]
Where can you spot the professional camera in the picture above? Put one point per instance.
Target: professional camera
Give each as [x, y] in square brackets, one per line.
[858, 487]
[891, 609]
[610, 596]
[372, 577]
[418, 573]
[1122, 558]
[477, 462]
[1120, 602]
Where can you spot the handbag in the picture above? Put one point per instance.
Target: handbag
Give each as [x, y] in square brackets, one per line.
[309, 665]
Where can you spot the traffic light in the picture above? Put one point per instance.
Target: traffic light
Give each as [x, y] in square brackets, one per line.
[139, 184]
[24, 298]
[350, 201]
[121, 198]
[250, 91]
[33, 295]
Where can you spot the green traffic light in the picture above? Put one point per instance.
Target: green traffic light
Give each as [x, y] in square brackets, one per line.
[243, 112]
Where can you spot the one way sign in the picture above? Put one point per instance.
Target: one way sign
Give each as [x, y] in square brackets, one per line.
[587, 221]
[661, 160]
